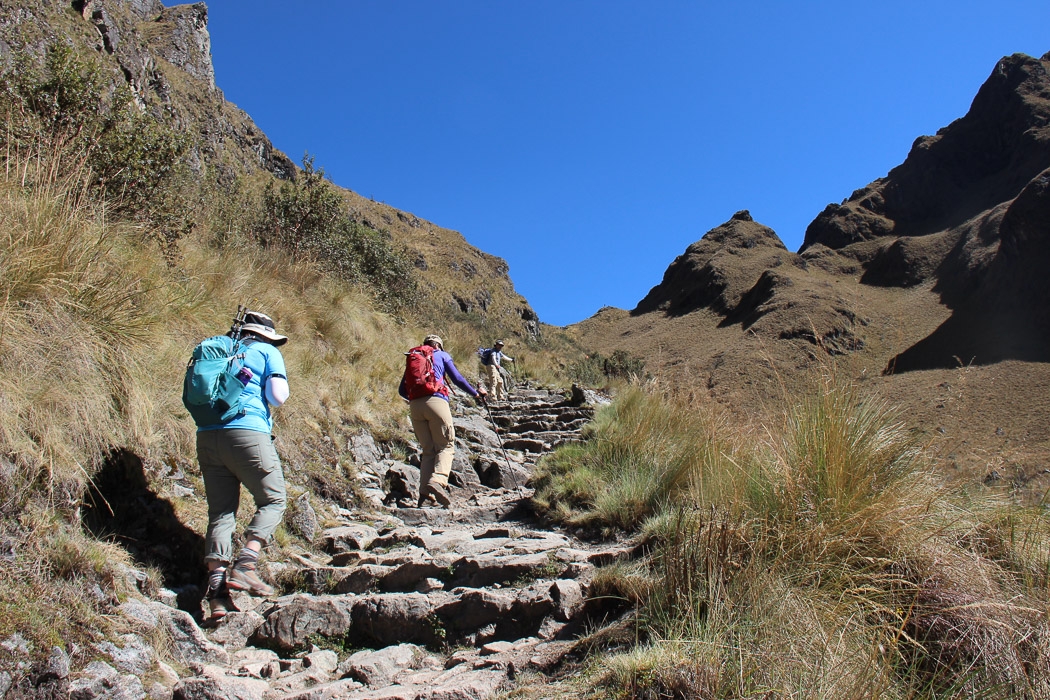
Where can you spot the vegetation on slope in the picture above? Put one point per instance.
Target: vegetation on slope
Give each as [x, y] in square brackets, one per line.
[104, 289]
[820, 561]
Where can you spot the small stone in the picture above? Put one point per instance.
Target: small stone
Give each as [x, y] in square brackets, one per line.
[496, 648]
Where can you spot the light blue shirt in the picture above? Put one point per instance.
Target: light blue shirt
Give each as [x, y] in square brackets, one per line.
[265, 361]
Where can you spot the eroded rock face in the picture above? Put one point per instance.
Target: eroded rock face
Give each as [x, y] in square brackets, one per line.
[1001, 308]
[188, 44]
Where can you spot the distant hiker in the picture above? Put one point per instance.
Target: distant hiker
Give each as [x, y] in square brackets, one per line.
[491, 359]
[240, 452]
[423, 385]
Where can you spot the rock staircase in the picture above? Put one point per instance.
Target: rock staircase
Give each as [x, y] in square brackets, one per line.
[413, 603]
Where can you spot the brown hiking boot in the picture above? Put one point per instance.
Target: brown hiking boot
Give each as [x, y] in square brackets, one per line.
[440, 494]
[220, 606]
[245, 578]
[438, 491]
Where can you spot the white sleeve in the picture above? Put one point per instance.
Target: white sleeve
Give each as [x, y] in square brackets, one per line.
[276, 390]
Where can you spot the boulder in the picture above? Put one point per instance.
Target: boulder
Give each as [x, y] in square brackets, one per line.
[99, 680]
[363, 449]
[474, 609]
[291, 622]
[234, 630]
[499, 474]
[189, 645]
[487, 569]
[378, 668]
[134, 656]
[475, 429]
[220, 688]
[392, 618]
[361, 579]
[464, 475]
[348, 538]
[568, 599]
[401, 481]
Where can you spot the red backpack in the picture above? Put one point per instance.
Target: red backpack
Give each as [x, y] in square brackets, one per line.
[419, 374]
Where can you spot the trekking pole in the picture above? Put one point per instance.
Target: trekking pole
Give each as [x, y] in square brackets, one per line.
[496, 431]
[238, 321]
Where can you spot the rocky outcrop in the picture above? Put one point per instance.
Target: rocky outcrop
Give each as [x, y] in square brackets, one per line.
[979, 161]
[961, 222]
[1001, 308]
[709, 275]
[742, 273]
[187, 44]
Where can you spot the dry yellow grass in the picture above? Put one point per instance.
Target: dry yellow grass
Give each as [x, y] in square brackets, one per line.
[823, 560]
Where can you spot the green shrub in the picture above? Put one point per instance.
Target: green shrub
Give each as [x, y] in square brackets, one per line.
[308, 217]
[596, 369]
[65, 111]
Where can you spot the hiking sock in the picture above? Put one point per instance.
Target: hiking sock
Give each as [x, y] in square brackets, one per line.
[216, 582]
[247, 559]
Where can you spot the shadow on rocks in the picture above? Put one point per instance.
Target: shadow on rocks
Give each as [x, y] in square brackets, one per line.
[120, 507]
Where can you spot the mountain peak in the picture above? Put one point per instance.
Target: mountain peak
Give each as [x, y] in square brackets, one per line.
[706, 274]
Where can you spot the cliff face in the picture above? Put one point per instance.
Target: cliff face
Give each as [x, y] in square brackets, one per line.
[979, 161]
[163, 54]
[966, 211]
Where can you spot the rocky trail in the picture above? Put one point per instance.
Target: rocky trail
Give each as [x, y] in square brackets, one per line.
[407, 602]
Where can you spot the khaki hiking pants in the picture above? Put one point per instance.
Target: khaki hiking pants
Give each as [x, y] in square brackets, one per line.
[432, 423]
[495, 382]
[228, 459]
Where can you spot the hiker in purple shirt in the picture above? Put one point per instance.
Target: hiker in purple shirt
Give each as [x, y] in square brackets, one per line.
[432, 423]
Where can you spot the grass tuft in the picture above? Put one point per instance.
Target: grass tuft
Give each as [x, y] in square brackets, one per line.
[822, 561]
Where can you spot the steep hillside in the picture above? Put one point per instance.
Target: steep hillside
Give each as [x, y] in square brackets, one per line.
[928, 286]
[163, 56]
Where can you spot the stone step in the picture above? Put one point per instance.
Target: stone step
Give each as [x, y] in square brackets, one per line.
[464, 615]
[477, 575]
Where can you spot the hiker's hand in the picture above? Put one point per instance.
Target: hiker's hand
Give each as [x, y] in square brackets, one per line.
[482, 396]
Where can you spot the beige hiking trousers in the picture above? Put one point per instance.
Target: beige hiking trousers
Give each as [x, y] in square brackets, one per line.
[495, 382]
[432, 423]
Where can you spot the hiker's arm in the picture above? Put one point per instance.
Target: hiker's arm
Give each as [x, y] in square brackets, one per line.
[276, 385]
[453, 373]
[276, 390]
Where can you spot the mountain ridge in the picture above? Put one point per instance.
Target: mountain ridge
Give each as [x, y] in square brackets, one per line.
[935, 269]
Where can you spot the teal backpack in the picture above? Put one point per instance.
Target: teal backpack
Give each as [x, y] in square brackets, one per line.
[215, 379]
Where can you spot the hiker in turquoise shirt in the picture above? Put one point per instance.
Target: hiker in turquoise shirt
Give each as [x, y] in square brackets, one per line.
[241, 452]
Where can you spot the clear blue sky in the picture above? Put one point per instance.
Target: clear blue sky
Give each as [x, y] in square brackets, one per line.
[588, 142]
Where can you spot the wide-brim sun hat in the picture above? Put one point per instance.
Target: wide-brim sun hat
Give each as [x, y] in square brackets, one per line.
[498, 343]
[431, 339]
[262, 325]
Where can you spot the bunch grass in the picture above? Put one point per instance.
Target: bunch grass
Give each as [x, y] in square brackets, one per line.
[822, 560]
